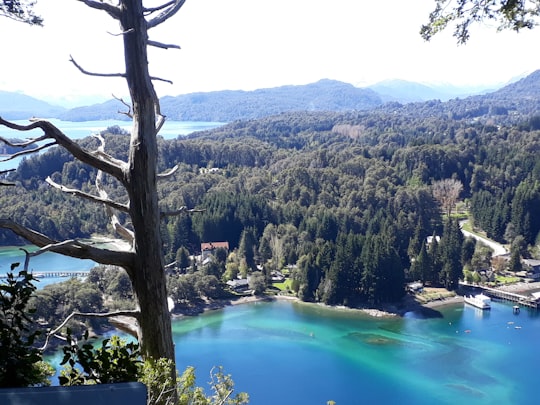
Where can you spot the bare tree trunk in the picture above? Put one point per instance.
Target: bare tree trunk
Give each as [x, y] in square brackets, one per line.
[148, 274]
[144, 262]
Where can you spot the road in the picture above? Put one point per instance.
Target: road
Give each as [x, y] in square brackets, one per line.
[498, 249]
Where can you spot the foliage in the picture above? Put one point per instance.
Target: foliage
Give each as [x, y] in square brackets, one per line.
[21, 364]
[257, 282]
[514, 15]
[295, 189]
[116, 360]
[113, 361]
[20, 10]
[221, 385]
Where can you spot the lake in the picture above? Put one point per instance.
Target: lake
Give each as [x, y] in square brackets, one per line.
[43, 263]
[293, 353]
[77, 130]
[285, 353]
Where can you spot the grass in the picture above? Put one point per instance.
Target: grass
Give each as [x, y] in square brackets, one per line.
[467, 226]
[507, 279]
[429, 294]
[284, 286]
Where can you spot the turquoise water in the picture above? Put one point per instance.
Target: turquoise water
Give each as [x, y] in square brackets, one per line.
[284, 353]
[43, 263]
[292, 353]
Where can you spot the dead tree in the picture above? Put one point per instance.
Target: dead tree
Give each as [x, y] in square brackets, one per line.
[447, 192]
[138, 175]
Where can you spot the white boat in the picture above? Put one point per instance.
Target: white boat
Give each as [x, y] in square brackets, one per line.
[479, 301]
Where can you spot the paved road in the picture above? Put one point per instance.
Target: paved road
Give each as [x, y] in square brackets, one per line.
[498, 249]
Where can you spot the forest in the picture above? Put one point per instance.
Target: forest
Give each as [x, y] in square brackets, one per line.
[344, 200]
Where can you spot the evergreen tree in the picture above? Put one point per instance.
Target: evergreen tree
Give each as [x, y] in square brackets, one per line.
[247, 247]
[451, 248]
[421, 266]
[435, 261]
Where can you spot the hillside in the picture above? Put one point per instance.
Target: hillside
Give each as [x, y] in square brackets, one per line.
[346, 197]
[226, 106]
[15, 106]
[404, 91]
[505, 104]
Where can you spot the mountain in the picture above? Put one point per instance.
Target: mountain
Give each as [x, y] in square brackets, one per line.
[16, 106]
[513, 100]
[96, 112]
[324, 95]
[522, 96]
[229, 105]
[404, 91]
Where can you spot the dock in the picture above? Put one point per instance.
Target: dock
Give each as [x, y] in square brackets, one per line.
[520, 299]
[56, 274]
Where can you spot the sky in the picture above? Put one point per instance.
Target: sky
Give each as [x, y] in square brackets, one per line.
[252, 44]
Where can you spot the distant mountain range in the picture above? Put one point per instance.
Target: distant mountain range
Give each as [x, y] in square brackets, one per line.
[408, 92]
[324, 95]
[16, 106]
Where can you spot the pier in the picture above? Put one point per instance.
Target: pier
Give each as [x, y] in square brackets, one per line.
[522, 300]
[56, 274]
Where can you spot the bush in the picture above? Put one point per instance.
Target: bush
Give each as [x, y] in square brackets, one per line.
[21, 364]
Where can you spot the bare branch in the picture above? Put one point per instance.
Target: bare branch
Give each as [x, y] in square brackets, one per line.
[88, 196]
[161, 79]
[131, 313]
[28, 152]
[150, 10]
[160, 121]
[19, 144]
[115, 222]
[162, 45]
[114, 167]
[122, 230]
[128, 113]
[180, 211]
[44, 249]
[121, 33]
[171, 265]
[6, 183]
[167, 11]
[74, 249]
[113, 11]
[169, 173]
[86, 72]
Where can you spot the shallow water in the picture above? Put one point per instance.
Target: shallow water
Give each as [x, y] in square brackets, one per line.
[46, 262]
[293, 353]
[284, 353]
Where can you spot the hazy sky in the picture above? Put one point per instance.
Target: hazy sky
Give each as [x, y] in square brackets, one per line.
[250, 44]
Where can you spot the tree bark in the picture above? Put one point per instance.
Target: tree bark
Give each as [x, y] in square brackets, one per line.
[148, 274]
[144, 262]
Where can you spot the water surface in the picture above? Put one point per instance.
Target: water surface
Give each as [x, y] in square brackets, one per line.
[284, 353]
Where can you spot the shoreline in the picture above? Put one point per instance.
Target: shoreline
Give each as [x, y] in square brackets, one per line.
[407, 305]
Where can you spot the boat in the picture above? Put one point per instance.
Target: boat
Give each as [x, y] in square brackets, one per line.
[479, 301]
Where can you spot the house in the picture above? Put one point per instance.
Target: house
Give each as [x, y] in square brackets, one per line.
[415, 287]
[277, 276]
[208, 249]
[533, 268]
[241, 284]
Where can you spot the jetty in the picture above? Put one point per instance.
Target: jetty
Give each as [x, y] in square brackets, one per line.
[521, 299]
[56, 274]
